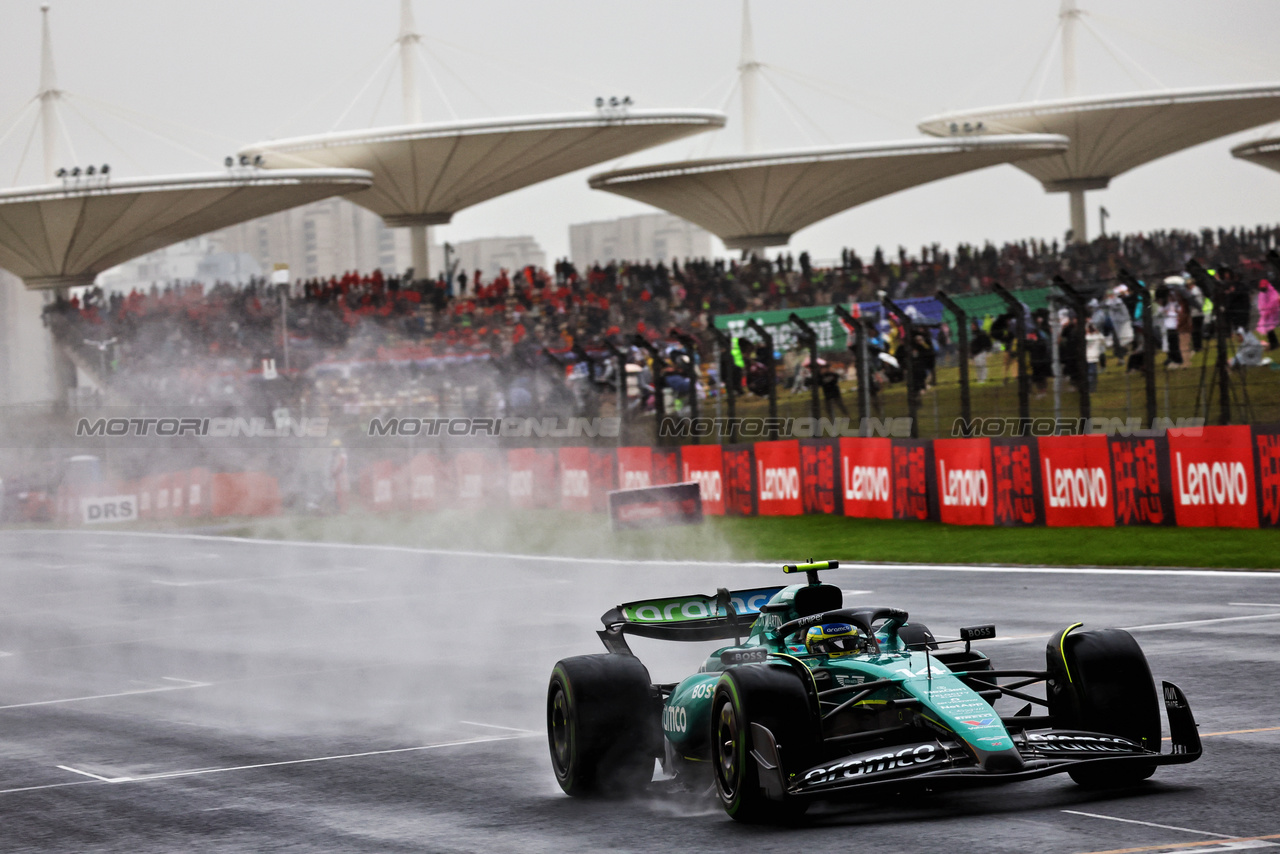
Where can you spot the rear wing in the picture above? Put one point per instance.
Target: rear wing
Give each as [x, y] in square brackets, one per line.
[727, 615]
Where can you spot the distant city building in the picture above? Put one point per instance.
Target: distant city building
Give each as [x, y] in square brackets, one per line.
[489, 255]
[322, 239]
[646, 237]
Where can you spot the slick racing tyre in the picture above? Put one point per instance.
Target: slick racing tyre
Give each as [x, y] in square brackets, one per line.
[603, 725]
[1100, 682]
[774, 697]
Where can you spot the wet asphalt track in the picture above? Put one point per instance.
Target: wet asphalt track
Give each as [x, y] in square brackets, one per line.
[165, 694]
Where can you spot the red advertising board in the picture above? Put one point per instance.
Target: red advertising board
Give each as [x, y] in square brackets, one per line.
[865, 474]
[635, 468]
[1015, 480]
[963, 470]
[778, 478]
[575, 479]
[475, 479]
[1075, 479]
[910, 478]
[739, 480]
[820, 475]
[666, 466]
[1266, 443]
[702, 464]
[1140, 483]
[426, 488]
[531, 478]
[1213, 477]
[604, 477]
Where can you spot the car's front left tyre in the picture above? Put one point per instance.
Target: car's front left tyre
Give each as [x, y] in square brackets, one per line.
[603, 725]
[774, 697]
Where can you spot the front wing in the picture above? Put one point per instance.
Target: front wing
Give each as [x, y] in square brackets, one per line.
[941, 764]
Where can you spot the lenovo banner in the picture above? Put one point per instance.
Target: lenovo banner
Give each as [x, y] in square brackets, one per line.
[1213, 477]
[1015, 479]
[478, 480]
[425, 482]
[1076, 481]
[963, 471]
[865, 477]
[575, 479]
[635, 468]
[703, 465]
[778, 478]
[820, 476]
[655, 506]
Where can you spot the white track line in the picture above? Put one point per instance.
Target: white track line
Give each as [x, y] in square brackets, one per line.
[906, 567]
[496, 726]
[96, 776]
[1186, 623]
[1256, 604]
[1150, 824]
[109, 696]
[169, 775]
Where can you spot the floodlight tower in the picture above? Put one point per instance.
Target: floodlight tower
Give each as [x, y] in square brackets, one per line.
[1068, 16]
[748, 73]
[49, 95]
[419, 232]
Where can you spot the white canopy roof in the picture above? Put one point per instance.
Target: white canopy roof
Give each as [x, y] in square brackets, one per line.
[759, 200]
[424, 174]
[1112, 134]
[1264, 152]
[63, 235]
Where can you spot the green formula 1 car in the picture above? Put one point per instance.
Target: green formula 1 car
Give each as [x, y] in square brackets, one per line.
[777, 725]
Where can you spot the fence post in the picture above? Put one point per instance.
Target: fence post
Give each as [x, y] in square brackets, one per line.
[728, 378]
[861, 356]
[1020, 325]
[811, 339]
[962, 335]
[1082, 354]
[908, 336]
[766, 341]
[1149, 347]
[659, 385]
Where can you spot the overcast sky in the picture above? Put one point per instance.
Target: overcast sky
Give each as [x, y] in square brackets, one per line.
[217, 74]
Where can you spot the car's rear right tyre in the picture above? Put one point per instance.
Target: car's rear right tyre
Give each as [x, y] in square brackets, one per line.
[603, 725]
[773, 696]
[1099, 681]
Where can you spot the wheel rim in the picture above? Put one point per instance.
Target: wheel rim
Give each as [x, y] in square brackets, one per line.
[727, 750]
[561, 744]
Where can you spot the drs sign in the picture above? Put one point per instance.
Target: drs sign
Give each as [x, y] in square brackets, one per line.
[112, 508]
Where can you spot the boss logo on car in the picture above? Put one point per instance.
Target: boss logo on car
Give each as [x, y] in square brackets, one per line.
[744, 656]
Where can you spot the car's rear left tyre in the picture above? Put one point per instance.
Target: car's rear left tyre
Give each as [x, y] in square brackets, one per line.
[1100, 682]
[603, 725]
[774, 697]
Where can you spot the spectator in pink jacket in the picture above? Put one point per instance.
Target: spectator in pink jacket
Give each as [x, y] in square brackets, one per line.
[1268, 313]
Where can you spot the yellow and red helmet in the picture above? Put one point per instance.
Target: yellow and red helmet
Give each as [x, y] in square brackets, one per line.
[835, 640]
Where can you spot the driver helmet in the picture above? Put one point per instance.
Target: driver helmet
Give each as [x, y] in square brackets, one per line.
[835, 639]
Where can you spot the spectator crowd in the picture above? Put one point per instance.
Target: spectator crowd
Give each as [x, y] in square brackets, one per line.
[531, 337]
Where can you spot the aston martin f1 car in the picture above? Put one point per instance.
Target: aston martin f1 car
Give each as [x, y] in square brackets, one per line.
[777, 726]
